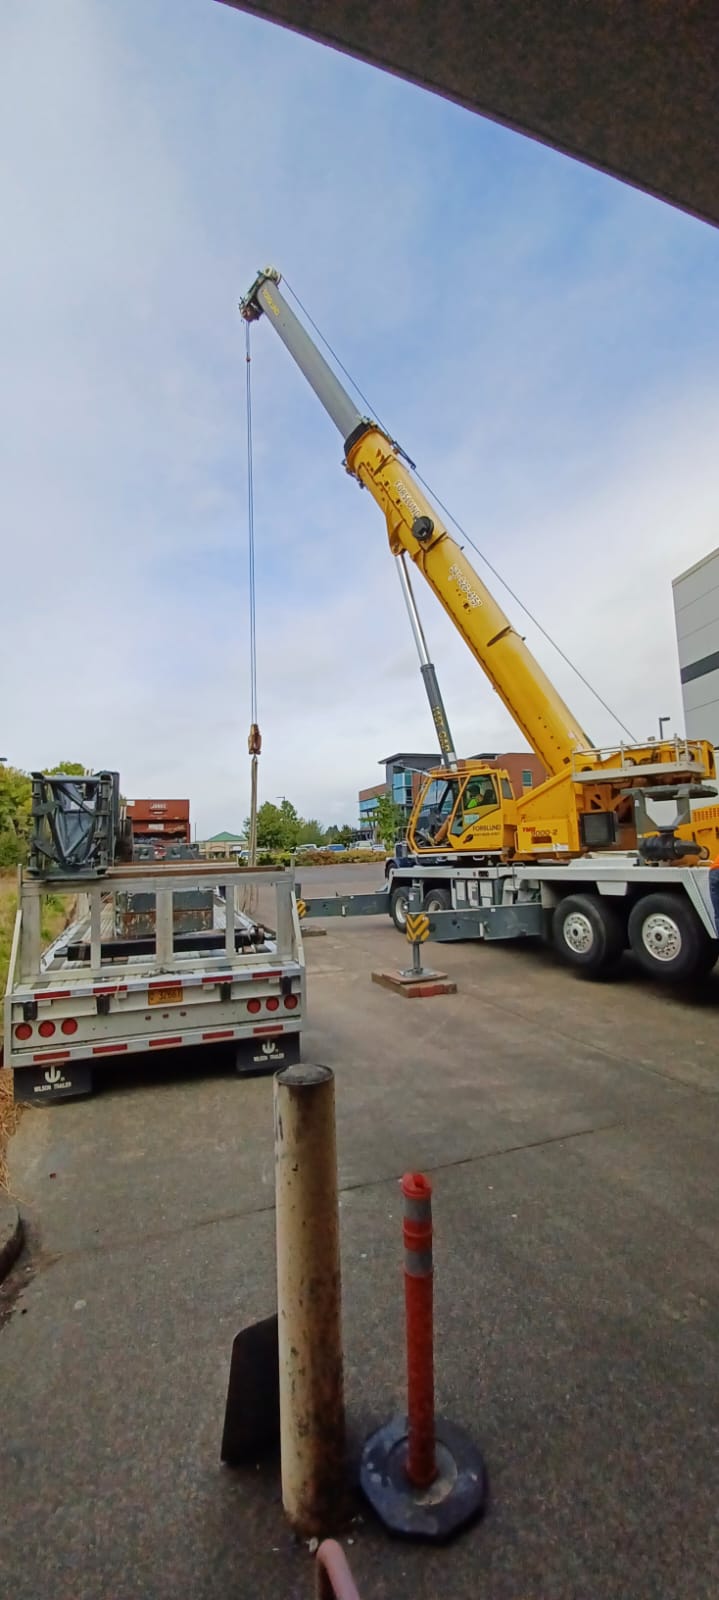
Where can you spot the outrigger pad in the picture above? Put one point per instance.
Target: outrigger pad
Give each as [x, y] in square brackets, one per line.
[422, 987]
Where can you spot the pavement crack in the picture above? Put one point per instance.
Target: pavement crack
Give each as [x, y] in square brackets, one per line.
[490, 1155]
[44, 1262]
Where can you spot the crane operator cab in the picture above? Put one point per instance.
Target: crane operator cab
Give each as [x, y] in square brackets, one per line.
[468, 811]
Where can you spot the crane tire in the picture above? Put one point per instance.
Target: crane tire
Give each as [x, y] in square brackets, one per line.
[668, 941]
[588, 933]
[438, 899]
[398, 908]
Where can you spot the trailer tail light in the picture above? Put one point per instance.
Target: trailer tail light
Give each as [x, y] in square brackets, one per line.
[254, 1006]
[47, 1029]
[273, 1003]
[291, 1002]
[69, 1025]
[23, 1031]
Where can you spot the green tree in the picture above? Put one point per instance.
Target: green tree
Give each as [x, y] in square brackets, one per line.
[290, 825]
[345, 835]
[15, 802]
[388, 820]
[270, 827]
[310, 831]
[74, 769]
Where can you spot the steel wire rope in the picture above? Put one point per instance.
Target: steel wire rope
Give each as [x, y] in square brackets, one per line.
[462, 531]
[249, 897]
[251, 529]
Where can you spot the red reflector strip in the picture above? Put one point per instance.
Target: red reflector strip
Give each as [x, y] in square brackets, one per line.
[225, 1033]
[53, 994]
[258, 977]
[268, 1030]
[155, 1043]
[110, 988]
[225, 977]
[53, 1055]
[108, 1049]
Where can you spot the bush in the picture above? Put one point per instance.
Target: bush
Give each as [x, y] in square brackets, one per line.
[316, 858]
[343, 858]
[12, 848]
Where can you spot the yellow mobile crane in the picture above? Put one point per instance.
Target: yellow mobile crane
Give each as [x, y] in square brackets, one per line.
[576, 845]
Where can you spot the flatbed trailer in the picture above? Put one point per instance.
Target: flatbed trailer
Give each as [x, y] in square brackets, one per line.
[97, 994]
[590, 908]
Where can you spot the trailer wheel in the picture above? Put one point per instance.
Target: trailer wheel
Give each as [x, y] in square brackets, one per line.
[588, 934]
[398, 908]
[437, 900]
[668, 940]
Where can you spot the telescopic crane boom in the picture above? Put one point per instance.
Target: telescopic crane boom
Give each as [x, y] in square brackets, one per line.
[592, 798]
[415, 529]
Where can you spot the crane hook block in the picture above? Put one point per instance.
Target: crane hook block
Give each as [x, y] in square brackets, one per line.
[254, 743]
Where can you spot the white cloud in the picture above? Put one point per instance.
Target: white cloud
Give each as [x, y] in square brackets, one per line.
[151, 159]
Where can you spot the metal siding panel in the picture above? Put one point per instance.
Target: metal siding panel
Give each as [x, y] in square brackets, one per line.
[704, 723]
[692, 585]
[701, 692]
[701, 637]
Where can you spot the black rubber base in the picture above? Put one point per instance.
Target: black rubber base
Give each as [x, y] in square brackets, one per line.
[457, 1497]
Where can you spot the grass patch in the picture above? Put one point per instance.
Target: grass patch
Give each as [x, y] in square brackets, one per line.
[56, 914]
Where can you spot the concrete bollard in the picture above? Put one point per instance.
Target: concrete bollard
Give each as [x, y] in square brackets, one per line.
[312, 1422]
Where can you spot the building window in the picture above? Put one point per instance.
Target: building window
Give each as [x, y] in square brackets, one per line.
[527, 779]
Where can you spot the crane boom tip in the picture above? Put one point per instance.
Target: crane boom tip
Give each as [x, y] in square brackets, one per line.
[249, 307]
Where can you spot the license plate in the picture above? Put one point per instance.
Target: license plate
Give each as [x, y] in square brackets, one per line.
[170, 995]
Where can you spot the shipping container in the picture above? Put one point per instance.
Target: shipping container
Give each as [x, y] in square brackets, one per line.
[160, 819]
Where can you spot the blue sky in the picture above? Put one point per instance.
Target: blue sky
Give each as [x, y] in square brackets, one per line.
[542, 339]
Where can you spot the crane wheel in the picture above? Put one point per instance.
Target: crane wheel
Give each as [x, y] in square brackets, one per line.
[437, 900]
[398, 907]
[588, 933]
[668, 941]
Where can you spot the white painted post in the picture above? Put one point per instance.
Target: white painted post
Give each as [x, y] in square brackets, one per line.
[309, 1300]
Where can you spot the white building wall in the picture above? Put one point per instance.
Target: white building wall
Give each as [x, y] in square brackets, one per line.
[696, 610]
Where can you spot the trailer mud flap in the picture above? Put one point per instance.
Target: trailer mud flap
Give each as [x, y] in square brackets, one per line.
[254, 1056]
[62, 1080]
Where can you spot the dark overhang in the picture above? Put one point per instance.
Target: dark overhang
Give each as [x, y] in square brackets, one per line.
[629, 86]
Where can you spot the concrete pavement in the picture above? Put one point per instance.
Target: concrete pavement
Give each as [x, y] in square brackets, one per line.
[572, 1133]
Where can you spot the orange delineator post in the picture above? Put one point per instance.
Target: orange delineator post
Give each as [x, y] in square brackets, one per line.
[421, 1465]
[422, 1474]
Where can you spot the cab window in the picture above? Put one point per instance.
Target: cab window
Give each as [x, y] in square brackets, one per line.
[478, 800]
[438, 803]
